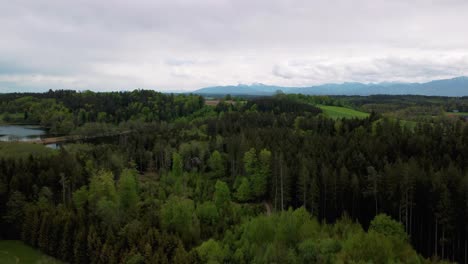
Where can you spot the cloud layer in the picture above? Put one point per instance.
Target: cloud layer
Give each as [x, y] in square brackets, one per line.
[187, 44]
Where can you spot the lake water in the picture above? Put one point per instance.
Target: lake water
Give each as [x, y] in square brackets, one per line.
[24, 133]
[21, 133]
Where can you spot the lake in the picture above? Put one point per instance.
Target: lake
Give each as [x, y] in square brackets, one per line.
[21, 133]
[9, 133]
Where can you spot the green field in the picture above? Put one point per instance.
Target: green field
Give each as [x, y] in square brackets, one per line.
[23, 150]
[411, 125]
[341, 112]
[16, 252]
[458, 114]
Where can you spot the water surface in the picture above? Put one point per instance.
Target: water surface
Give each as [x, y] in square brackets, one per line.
[21, 133]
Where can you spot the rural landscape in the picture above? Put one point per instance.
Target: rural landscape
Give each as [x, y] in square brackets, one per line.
[287, 178]
[233, 132]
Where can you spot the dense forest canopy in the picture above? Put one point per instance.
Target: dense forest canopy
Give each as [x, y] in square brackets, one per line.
[250, 180]
[64, 110]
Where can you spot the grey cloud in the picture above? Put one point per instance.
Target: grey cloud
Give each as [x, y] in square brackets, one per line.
[179, 62]
[184, 44]
[376, 69]
[283, 72]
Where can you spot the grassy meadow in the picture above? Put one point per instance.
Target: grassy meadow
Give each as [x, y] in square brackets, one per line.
[458, 113]
[16, 252]
[23, 150]
[336, 112]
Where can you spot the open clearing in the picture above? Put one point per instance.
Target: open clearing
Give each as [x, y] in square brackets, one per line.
[215, 102]
[341, 112]
[16, 252]
[457, 113]
[23, 150]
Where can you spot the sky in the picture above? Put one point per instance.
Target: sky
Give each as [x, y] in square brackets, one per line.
[183, 45]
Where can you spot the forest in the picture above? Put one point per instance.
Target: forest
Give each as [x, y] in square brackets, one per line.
[248, 180]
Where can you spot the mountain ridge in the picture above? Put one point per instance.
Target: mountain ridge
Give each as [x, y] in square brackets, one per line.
[455, 87]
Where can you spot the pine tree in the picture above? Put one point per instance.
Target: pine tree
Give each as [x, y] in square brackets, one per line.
[94, 245]
[67, 239]
[79, 248]
[343, 185]
[43, 239]
[355, 195]
[148, 253]
[373, 188]
[180, 255]
[304, 185]
[315, 197]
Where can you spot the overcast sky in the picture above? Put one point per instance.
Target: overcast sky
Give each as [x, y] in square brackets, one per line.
[184, 45]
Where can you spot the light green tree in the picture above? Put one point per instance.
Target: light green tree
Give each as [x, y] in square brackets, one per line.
[385, 225]
[222, 195]
[261, 174]
[177, 165]
[128, 192]
[250, 162]
[80, 197]
[102, 186]
[244, 193]
[207, 213]
[211, 252]
[103, 197]
[178, 215]
[216, 165]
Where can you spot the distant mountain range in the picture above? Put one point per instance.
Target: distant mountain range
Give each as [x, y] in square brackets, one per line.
[450, 87]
